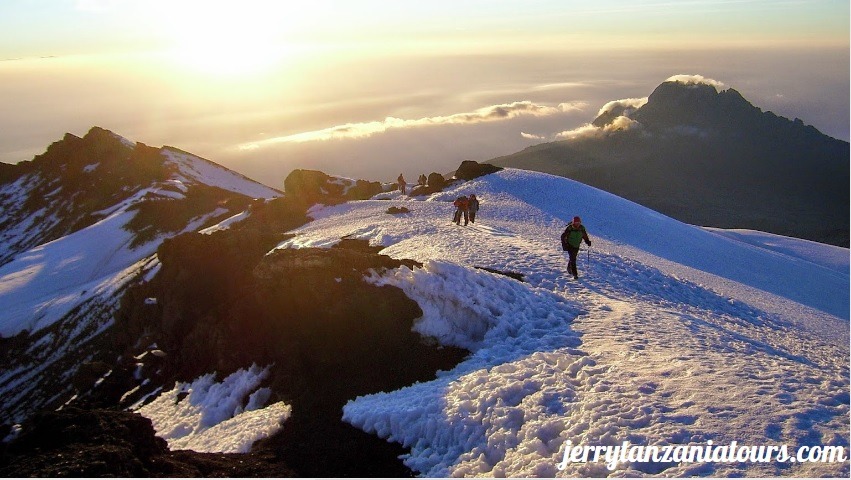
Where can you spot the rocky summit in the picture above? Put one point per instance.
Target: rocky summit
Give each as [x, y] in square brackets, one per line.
[709, 158]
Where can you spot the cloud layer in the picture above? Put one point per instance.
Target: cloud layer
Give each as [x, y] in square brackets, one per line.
[492, 113]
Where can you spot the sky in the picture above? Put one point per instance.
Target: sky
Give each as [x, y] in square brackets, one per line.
[368, 89]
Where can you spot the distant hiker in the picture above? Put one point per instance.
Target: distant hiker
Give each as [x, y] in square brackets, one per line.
[571, 239]
[402, 184]
[461, 204]
[422, 180]
[473, 207]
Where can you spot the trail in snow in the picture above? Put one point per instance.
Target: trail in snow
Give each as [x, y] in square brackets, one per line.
[674, 335]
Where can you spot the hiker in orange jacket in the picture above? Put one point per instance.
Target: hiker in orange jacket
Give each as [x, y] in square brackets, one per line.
[461, 204]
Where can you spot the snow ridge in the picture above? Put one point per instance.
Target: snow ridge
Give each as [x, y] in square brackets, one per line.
[674, 334]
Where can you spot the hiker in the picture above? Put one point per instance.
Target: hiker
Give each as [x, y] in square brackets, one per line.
[401, 182]
[571, 239]
[473, 207]
[461, 204]
[422, 180]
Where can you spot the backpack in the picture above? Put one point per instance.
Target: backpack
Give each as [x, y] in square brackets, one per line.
[569, 232]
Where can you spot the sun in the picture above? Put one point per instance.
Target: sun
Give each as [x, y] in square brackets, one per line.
[228, 38]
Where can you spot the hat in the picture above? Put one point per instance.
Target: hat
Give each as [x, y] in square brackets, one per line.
[577, 220]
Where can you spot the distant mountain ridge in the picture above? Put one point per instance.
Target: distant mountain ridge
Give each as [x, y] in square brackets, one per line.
[78, 224]
[78, 181]
[710, 158]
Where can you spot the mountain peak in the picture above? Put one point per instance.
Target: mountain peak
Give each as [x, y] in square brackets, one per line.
[675, 90]
[677, 104]
[700, 152]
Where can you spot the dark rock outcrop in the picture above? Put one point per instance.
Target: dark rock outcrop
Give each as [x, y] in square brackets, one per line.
[103, 443]
[77, 182]
[435, 183]
[470, 170]
[397, 210]
[436, 180]
[313, 186]
[8, 172]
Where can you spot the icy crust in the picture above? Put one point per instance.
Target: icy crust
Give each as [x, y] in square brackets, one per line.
[210, 416]
[507, 420]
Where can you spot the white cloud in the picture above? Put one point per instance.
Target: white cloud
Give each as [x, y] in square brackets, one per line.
[696, 79]
[532, 136]
[492, 113]
[573, 106]
[620, 123]
[628, 104]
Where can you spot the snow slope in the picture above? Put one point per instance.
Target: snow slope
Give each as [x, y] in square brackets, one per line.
[674, 334]
[194, 169]
[44, 283]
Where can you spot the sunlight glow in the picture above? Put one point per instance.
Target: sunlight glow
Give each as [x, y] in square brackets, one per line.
[227, 38]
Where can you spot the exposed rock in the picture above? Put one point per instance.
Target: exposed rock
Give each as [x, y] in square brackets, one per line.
[9, 172]
[470, 170]
[436, 180]
[396, 210]
[68, 187]
[103, 443]
[313, 186]
[435, 183]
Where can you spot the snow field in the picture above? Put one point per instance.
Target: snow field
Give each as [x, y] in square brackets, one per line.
[674, 335]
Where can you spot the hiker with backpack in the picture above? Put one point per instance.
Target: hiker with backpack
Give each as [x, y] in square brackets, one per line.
[473, 207]
[461, 204]
[571, 239]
